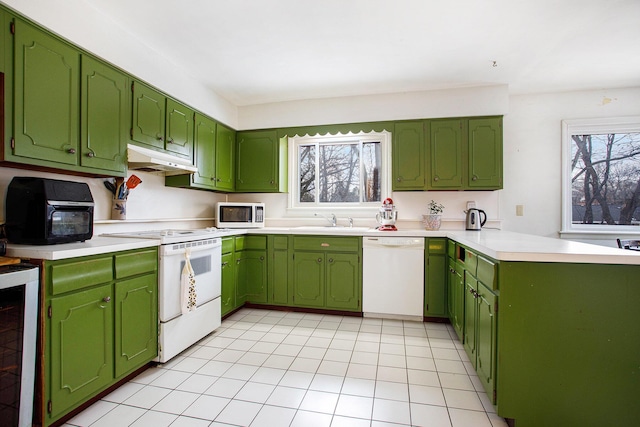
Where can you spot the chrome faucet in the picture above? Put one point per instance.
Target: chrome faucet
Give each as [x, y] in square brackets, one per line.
[333, 220]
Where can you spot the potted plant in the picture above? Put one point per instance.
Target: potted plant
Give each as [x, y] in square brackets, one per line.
[433, 219]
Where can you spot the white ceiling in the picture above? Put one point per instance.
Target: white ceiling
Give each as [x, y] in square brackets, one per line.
[260, 51]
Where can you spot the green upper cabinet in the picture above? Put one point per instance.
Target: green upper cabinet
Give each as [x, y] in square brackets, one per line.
[261, 162]
[179, 129]
[161, 122]
[105, 111]
[485, 153]
[149, 108]
[446, 154]
[225, 158]
[3, 39]
[214, 148]
[46, 99]
[408, 156]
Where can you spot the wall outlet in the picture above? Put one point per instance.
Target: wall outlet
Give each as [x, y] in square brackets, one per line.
[471, 205]
[519, 210]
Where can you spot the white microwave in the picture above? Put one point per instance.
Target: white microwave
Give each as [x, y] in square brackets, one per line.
[239, 215]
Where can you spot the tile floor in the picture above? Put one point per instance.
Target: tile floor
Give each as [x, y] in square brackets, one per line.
[266, 368]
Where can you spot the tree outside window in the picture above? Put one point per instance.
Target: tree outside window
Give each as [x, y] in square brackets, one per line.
[604, 178]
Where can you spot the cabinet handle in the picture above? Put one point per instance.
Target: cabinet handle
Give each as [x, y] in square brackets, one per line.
[71, 151]
[106, 299]
[436, 178]
[224, 264]
[330, 260]
[261, 258]
[170, 141]
[474, 178]
[159, 138]
[319, 259]
[399, 179]
[90, 154]
[272, 182]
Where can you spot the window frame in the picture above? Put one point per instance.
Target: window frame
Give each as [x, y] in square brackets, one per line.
[630, 124]
[296, 208]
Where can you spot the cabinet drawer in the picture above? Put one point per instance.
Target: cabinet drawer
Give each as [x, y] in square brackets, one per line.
[469, 259]
[437, 246]
[227, 245]
[326, 243]
[138, 262]
[280, 242]
[487, 273]
[451, 248]
[76, 275]
[251, 242]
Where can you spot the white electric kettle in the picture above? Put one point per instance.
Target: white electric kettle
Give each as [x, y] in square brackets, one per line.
[475, 219]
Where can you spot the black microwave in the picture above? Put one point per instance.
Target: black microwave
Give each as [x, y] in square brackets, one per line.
[41, 211]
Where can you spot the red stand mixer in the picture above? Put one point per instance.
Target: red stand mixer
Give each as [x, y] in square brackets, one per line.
[387, 216]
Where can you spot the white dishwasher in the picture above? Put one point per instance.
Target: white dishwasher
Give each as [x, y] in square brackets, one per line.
[393, 277]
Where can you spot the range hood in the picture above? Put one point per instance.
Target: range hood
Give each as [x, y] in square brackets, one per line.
[144, 159]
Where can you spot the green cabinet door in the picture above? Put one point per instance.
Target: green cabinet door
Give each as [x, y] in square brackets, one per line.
[228, 299]
[179, 129]
[470, 316]
[435, 289]
[148, 116]
[343, 281]
[278, 268]
[251, 276]
[204, 151]
[225, 158]
[308, 279]
[408, 156]
[485, 153]
[81, 347]
[46, 98]
[457, 296]
[105, 117]
[136, 322]
[446, 154]
[259, 165]
[3, 40]
[486, 339]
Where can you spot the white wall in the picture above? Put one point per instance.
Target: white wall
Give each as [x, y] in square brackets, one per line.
[81, 24]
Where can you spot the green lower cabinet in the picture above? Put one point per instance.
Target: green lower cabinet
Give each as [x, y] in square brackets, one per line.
[343, 282]
[308, 279]
[228, 299]
[278, 269]
[251, 268]
[101, 324]
[136, 322]
[456, 297]
[486, 339]
[435, 274]
[80, 347]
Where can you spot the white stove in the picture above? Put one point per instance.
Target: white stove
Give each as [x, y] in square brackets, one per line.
[179, 329]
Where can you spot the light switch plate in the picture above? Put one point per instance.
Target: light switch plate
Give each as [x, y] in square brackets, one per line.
[471, 205]
[519, 210]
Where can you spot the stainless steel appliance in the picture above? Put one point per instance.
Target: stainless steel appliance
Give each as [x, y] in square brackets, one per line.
[393, 277]
[239, 215]
[41, 211]
[476, 218]
[387, 216]
[19, 320]
[179, 331]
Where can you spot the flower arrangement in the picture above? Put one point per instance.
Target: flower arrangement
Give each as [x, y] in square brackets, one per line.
[435, 208]
[433, 219]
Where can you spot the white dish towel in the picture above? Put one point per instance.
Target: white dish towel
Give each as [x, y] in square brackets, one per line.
[188, 285]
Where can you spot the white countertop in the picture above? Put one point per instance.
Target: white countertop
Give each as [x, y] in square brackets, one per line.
[497, 244]
[95, 246]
